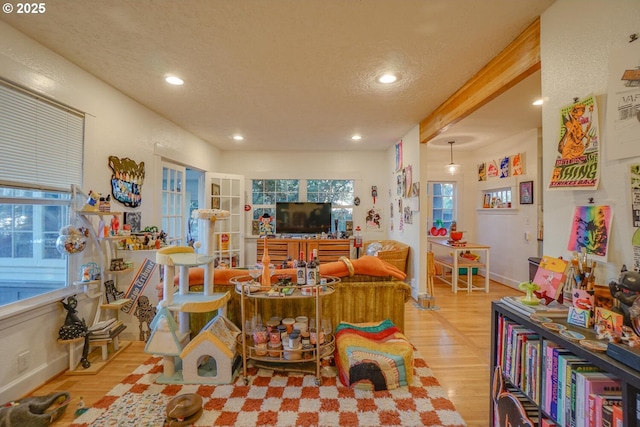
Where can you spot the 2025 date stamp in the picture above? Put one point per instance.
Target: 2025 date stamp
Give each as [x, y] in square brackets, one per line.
[24, 8]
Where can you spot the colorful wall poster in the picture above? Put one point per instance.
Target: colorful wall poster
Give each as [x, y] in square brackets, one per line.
[517, 167]
[482, 171]
[373, 221]
[408, 173]
[492, 169]
[590, 230]
[504, 167]
[623, 103]
[399, 156]
[577, 163]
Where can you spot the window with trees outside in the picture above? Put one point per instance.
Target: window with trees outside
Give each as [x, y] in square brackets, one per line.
[442, 198]
[43, 152]
[340, 192]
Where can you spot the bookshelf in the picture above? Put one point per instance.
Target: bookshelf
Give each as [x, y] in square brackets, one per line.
[628, 377]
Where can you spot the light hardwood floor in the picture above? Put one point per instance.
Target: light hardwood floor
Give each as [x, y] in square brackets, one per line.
[454, 340]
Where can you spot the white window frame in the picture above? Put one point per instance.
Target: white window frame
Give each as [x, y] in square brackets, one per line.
[302, 197]
[454, 210]
[43, 144]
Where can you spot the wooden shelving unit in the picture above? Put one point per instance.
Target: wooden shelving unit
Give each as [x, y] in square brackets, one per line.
[629, 377]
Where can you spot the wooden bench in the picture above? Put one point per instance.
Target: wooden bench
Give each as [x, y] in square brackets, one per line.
[447, 265]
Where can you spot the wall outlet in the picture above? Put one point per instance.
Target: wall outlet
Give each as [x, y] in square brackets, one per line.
[23, 361]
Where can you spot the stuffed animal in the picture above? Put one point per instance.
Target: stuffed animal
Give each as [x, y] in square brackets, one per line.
[34, 411]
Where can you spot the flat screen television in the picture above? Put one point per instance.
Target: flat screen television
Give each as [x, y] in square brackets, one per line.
[303, 217]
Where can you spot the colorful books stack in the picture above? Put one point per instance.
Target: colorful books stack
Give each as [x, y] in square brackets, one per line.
[575, 391]
[518, 357]
[570, 391]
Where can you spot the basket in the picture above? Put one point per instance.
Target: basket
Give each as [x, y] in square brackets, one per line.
[394, 252]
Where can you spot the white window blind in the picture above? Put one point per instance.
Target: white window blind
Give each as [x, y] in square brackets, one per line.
[41, 142]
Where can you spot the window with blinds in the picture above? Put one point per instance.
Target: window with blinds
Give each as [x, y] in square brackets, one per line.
[42, 152]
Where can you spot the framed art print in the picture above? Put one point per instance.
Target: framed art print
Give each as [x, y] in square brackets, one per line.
[526, 193]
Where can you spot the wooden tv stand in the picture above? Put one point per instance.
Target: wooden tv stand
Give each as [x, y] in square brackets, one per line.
[328, 249]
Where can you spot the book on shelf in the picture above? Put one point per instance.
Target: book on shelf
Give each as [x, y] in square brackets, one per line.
[553, 310]
[573, 368]
[597, 402]
[531, 382]
[589, 383]
[563, 359]
[109, 332]
[617, 419]
[102, 325]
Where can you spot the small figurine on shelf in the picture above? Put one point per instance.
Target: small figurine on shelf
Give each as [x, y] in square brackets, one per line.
[92, 203]
[112, 294]
[105, 204]
[74, 328]
[529, 298]
[115, 225]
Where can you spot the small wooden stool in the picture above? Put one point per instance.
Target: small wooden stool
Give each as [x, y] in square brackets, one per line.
[73, 348]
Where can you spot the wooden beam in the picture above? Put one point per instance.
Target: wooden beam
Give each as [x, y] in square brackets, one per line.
[515, 63]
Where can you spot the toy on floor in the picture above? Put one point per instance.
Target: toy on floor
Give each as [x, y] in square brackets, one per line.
[184, 410]
[35, 411]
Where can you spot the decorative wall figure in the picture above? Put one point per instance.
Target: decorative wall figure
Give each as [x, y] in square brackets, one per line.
[126, 181]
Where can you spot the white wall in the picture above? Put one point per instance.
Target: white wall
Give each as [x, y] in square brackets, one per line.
[363, 167]
[410, 233]
[577, 37]
[115, 125]
[506, 231]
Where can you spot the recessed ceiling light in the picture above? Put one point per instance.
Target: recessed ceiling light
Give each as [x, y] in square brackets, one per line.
[238, 137]
[356, 137]
[387, 78]
[173, 80]
[538, 102]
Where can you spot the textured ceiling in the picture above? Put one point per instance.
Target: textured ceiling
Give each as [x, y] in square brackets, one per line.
[286, 74]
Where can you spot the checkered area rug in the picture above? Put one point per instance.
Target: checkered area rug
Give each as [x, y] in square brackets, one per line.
[279, 399]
